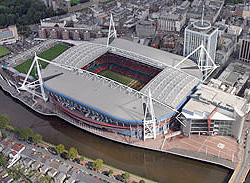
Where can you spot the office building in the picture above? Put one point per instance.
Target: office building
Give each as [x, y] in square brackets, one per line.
[197, 33]
[208, 113]
[245, 49]
[8, 35]
[171, 21]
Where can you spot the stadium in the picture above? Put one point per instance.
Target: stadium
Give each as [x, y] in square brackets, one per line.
[124, 87]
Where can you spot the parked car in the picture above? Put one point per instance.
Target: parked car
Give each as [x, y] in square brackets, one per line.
[52, 151]
[77, 160]
[29, 141]
[64, 156]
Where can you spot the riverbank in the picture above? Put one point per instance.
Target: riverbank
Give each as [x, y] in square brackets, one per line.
[115, 171]
[105, 167]
[50, 110]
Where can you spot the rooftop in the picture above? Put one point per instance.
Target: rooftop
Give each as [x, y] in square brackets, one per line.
[218, 97]
[123, 102]
[204, 27]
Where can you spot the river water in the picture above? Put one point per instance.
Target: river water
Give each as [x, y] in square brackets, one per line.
[161, 167]
[248, 178]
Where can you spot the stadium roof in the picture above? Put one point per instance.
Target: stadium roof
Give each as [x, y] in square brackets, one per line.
[97, 95]
[169, 88]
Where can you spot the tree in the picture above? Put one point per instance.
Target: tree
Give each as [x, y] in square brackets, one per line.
[2, 19]
[46, 179]
[72, 154]
[82, 158]
[3, 160]
[26, 133]
[111, 172]
[23, 12]
[97, 164]
[125, 175]
[4, 120]
[60, 148]
[141, 181]
[37, 138]
[16, 130]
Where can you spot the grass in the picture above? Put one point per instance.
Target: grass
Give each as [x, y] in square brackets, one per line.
[4, 51]
[74, 2]
[49, 54]
[137, 85]
[116, 77]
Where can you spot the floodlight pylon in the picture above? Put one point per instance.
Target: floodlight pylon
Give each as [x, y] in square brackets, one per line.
[206, 66]
[32, 87]
[112, 30]
[149, 122]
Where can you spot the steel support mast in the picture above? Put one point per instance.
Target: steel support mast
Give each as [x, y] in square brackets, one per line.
[112, 30]
[149, 122]
[35, 86]
[206, 67]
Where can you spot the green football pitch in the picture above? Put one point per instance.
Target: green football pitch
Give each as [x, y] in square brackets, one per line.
[3, 51]
[133, 83]
[116, 77]
[49, 54]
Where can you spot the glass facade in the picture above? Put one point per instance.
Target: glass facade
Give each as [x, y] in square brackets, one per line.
[217, 127]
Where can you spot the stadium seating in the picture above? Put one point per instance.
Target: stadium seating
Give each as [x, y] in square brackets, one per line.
[128, 67]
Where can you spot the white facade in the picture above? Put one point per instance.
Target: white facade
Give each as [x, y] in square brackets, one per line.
[171, 22]
[8, 35]
[207, 112]
[245, 49]
[200, 33]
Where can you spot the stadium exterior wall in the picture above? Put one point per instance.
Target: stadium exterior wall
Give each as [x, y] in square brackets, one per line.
[121, 126]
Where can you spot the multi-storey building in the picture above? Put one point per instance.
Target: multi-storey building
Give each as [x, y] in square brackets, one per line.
[200, 32]
[207, 112]
[8, 35]
[171, 22]
[226, 46]
[245, 49]
[145, 28]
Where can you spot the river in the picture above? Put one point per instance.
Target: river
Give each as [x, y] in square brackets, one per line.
[161, 167]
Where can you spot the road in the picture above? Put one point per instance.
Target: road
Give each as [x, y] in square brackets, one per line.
[29, 150]
[241, 172]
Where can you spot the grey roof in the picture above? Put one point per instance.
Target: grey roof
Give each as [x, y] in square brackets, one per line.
[81, 55]
[97, 95]
[169, 88]
[6, 34]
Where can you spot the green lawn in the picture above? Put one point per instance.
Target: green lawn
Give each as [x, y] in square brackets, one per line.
[122, 79]
[49, 54]
[74, 2]
[116, 77]
[137, 85]
[4, 51]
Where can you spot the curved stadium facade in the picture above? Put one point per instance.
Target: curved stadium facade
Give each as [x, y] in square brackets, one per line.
[110, 85]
